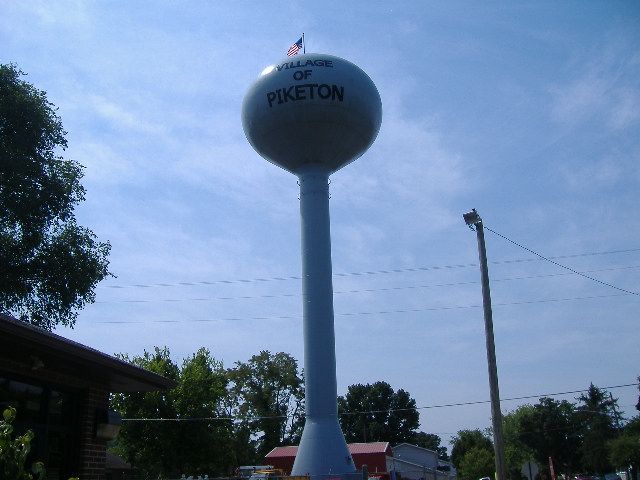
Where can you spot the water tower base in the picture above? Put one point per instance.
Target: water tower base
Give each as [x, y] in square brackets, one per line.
[323, 451]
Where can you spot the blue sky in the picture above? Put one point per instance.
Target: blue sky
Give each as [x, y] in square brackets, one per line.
[529, 112]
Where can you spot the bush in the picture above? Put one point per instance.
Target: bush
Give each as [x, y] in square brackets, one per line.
[14, 451]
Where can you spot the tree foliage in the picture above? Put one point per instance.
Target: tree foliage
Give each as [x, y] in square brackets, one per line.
[14, 451]
[516, 452]
[201, 392]
[50, 265]
[476, 463]
[599, 419]
[551, 429]
[263, 395]
[268, 392]
[166, 447]
[624, 451]
[375, 412]
[148, 445]
[578, 437]
[465, 440]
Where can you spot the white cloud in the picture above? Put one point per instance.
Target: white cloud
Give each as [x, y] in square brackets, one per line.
[120, 117]
[68, 12]
[102, 164]
[626, 109]
[409, 167]
[604, 89]
[580, 99]
[593, 175]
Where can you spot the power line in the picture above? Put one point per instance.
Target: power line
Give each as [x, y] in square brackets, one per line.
[478, 402]
[548, 259]
[426, 407]
[365, 273]
[382, 312]
[364, 290]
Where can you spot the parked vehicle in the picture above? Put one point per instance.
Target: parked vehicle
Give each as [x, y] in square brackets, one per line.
[266, 474]
[245, 471]
[586, 476]
[276, 474]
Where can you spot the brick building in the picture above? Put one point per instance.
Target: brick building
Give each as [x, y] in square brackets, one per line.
[60, 389]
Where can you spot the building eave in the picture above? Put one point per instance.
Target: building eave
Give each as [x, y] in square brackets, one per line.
[22, 343]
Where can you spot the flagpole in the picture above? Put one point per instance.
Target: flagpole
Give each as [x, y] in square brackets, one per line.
[304, 44]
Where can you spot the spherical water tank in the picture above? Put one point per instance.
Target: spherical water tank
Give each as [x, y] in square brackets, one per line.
[312, 109]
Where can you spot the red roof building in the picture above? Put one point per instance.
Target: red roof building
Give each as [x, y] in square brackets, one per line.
[282, 458]
[373, 455]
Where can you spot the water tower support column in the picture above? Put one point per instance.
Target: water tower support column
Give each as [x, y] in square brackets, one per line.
[322, 449]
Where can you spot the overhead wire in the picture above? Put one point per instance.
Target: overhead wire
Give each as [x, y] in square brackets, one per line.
[364, 290]
[363, 273]
[382, 312]
[478, 402]
[549, 259]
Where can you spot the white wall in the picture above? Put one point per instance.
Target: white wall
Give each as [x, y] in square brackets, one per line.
[417, 455]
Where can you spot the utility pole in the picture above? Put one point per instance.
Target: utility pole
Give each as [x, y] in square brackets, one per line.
[472, 219]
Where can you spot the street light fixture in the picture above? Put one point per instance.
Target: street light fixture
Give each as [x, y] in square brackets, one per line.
[471, 218]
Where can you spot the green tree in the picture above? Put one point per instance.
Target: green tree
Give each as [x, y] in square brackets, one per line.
[50, 265]
[431, 441]
[268, 393]
[599, 419]
[375, 412]
[476, 463]
[195, 439]
[551, 429]
[624, 451]
[516, 453]
[198, 437]
[149, 445]
[466, 440]
[203, 445]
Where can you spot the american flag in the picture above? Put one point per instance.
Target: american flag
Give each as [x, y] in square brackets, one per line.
[295, 48]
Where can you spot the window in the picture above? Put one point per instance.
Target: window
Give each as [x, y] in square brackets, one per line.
[50, 414]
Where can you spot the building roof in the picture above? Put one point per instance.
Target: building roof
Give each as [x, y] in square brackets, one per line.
[410, 464]
[21, 344]
[415, 447]
[283, 452]
[372, 447]
[354, 449]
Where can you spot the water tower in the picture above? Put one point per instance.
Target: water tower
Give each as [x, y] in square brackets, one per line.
[311, 115]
